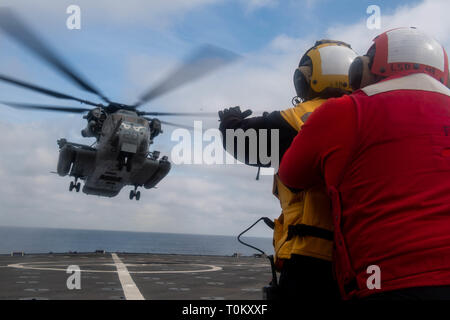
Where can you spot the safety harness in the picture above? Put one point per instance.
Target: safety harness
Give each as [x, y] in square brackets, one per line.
[304, 230]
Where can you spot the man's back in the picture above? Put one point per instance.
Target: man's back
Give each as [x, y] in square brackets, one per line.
[386, 163]
[395, 191]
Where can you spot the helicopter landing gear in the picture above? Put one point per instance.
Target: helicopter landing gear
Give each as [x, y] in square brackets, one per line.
[75, 185]
[135, 194]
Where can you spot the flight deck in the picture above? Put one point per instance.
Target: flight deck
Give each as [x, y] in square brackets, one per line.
[125, 276]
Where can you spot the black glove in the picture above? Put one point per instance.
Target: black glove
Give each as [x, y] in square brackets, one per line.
[234, 112]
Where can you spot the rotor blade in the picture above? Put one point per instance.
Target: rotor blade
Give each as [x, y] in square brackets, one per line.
[44, 107]
[172, 124]
[177, 125]
[14, 27]
[195, 114]
[203, 61]
[48, 92]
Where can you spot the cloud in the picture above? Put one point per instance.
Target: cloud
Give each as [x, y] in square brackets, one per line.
[192, 199]
[430, 16]
[257, 4]
[155, 13]
[261, 80]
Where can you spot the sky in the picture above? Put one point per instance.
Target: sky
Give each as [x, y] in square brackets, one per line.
[124, 47]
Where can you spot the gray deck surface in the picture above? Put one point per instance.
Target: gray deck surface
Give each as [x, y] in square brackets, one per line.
[156, 276]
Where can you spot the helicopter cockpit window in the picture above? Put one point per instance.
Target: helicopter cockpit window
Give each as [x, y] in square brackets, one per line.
[116, 117]
[133, 126]
[141, 121]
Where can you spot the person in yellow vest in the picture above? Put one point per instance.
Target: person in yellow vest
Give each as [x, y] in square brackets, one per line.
[303, 233]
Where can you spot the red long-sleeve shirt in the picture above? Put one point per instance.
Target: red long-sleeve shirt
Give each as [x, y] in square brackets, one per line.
[384, 155]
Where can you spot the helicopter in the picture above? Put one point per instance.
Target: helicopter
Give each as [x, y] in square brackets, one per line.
[123, 133]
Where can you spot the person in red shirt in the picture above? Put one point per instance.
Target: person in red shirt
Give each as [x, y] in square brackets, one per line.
[383, 153]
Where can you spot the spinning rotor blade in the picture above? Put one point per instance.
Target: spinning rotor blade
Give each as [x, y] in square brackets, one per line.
[198, 114]
[177, 125]
[172, 124]
[44, 107]
[14, 27]
[205, 60]
[45, 91]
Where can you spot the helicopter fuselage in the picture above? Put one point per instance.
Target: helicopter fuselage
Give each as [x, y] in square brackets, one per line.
[121, 157]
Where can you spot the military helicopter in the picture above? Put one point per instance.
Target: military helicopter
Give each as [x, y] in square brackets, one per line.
[120, 156]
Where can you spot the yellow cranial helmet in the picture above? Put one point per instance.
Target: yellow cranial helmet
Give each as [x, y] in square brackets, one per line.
[323, 70]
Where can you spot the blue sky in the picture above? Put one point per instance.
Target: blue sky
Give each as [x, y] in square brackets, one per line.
[123, 48]
[101, 48]
[256, 27]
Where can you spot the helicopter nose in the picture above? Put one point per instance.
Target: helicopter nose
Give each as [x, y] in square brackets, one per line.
[128, 141]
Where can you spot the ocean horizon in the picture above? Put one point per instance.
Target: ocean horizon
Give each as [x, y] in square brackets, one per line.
[61, 240]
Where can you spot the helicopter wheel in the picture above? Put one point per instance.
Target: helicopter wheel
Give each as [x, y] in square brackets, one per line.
[138, 195]
[71, 186]
[132, 194]
[77, 187]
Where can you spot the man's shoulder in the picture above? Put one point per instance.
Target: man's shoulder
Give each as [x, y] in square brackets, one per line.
[336, 104]
[298, 114]
[334, 110]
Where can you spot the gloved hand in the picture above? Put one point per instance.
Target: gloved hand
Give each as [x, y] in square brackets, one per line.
[234, 112]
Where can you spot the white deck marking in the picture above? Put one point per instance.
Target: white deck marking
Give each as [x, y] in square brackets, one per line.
[130, 289]
[42, 266]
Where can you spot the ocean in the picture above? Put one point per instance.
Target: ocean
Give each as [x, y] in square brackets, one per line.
[45, 240]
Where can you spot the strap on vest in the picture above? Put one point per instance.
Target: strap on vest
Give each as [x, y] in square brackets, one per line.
[303, 230]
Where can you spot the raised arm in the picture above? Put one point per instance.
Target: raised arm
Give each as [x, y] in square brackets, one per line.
[234, 119]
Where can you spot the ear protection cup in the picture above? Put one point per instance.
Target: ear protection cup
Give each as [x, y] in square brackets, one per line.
[355, 73]
[302, 78]
[359, 73]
